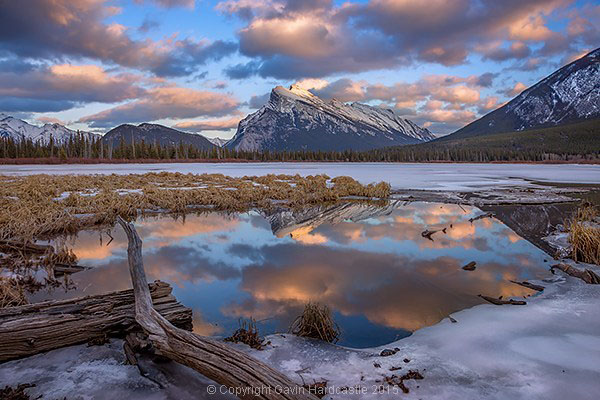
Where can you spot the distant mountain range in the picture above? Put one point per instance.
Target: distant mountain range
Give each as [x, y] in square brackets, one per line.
[296, 119]
[569, 95]
[21, 130]
[154, 133]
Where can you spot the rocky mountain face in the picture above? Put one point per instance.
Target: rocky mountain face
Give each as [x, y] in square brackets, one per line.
[19, 130]
[569, 95]
[296, 119]
[217, 141]
[154, 133]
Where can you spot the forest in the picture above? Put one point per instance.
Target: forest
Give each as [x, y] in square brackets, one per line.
[575, 142]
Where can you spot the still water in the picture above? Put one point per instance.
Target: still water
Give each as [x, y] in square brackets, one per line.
[368, 263]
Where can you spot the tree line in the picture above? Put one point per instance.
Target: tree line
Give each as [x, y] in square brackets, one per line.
[488, 149]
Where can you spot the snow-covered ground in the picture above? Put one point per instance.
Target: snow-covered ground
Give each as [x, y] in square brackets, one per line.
[458, 177]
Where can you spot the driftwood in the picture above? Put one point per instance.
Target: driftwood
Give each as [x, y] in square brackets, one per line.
[25, 247]
[35, 328]
[65, 269]
[212, 358]
[530, 285]
[482, 216]
[500, 301]
[470, 266]
[587, 275]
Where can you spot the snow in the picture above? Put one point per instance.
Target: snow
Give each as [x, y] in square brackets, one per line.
[455, 177]
[99, 372]
[19, 129]
[310, 112]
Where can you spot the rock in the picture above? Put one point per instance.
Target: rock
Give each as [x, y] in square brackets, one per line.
[470, 266]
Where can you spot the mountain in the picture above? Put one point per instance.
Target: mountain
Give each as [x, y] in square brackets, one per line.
[217, 141]
[569, 95]
[18, 130]
[296, 119]
[154, 133]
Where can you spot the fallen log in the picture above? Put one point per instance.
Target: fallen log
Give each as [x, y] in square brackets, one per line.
[212, 358]
[25, 247]
[530, 285]
[482, 216]
[65, 269]
[587, 275]
[500, 302]
[35, 328]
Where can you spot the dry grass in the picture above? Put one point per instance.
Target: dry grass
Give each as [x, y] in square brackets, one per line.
[247, 333]
[584, 235]
[12, 293]
[47, 205]
[316, 322]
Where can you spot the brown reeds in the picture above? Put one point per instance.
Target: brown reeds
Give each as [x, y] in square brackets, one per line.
[316, 322]
[584, 235]
[12, 293]
[48, 205]
[248, 334]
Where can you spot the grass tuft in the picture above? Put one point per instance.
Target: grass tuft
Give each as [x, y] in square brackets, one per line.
[316, 322]
[584, 235]
[247, 333]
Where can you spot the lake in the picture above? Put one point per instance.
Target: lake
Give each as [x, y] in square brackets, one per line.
[429, 176]
[368, 262]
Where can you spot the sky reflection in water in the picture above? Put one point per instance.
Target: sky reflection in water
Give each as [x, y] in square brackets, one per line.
[380, 277]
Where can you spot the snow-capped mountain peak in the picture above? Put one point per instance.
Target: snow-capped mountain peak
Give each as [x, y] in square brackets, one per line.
[568, 95]
[18, 130]
[296, 119]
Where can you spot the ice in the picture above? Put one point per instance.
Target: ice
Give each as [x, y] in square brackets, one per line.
[548, 349]
[451, 177]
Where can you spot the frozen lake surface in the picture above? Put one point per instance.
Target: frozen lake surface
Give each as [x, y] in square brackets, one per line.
[463, 177]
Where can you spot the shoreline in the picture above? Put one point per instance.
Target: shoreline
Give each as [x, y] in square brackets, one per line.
[76, 161]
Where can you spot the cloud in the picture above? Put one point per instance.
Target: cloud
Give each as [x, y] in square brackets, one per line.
[290, 39]
[165, 102]
[171, 3]
[148, 25]
[57, 29]
[443, 102]
[39, 88]
[497, 52]
[257, 101]
[210, 125]
[50, 120]
[515, 90]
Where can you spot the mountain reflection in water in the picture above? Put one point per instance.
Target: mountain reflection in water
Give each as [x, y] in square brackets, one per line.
[368, 263]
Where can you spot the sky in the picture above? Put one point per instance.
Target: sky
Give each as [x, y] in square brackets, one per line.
[201, 66]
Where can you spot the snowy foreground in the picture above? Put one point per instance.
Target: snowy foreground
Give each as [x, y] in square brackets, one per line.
[548, 349]
[459, 177]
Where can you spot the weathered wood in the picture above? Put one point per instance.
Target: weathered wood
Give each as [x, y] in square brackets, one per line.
[587, 275]
[482, 216]
[212, 358]
[25, 247]
[63, 269]
[500, 302]
[530, 285]
[35, 328]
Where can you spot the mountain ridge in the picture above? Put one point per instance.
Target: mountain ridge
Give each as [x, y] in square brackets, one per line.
[155, 133]
[568, 95]
[18, 130]
[296, 119]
